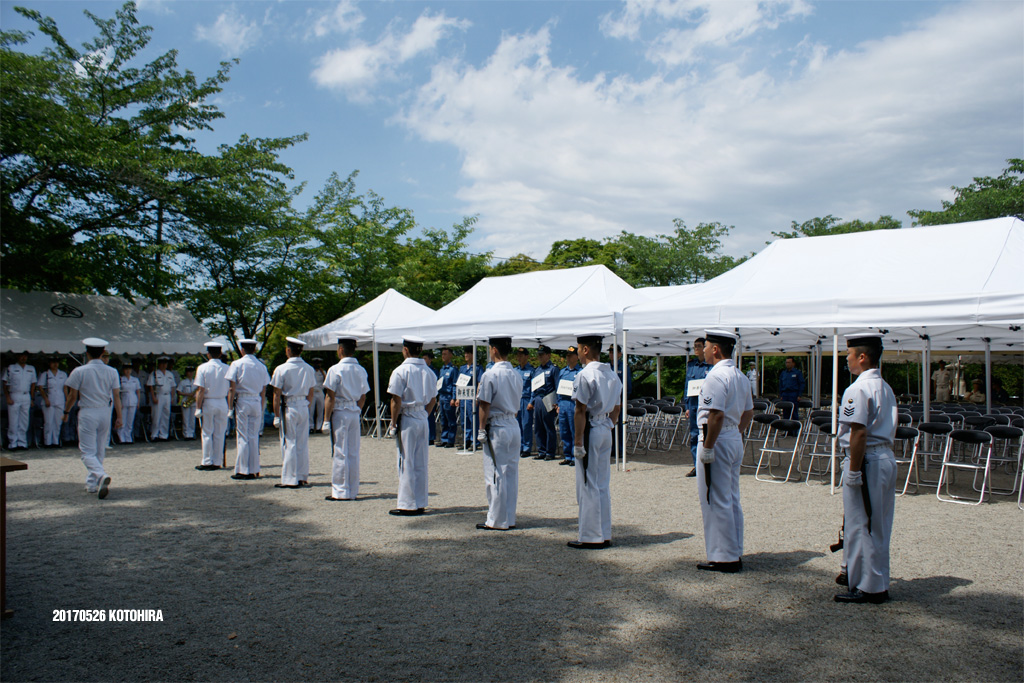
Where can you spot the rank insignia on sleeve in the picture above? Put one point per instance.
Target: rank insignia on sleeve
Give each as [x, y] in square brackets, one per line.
[848, 411]
[707, 401]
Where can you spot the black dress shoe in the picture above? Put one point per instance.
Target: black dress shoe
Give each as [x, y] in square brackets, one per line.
[333, 498]
[859, 596]
[206, 468]
[241, 476]
[572, 463]
[492, 528]
[843, 579]
[525, 455]
[551, 457]
[692, 473]
[405, 513]
[580, 545]
[725, 567]
[540, 457]
[286, 486]
[565, 462]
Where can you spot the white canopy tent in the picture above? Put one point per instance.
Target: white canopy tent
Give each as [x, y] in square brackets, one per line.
[52, 322]
[392, 310]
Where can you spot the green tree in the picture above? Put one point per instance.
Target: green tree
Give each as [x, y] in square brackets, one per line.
[575, 253]
[520, 263]
[436, 268]
[683, 257]
[830, 225]
[985, 198]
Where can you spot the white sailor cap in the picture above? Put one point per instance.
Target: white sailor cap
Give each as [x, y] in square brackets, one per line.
[498, 339]
[864, 338]
[295, 340]
[348, 340]
[410, 339]
[251, 342]
[721, 336]
[94, 342]
[213, 344]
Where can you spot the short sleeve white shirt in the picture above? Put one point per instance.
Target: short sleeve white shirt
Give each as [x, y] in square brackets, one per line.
[211, 376]
[598, 388]
[294, 377]
[347, 379]
[725, 389]
[501, 386]
[869, 401]
[249, 375]
[95, 383]
[414, 383]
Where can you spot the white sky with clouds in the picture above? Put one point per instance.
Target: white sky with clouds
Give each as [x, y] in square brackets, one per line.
[556, 120]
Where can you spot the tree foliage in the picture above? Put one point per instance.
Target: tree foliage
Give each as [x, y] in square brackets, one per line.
[985, 198]
[830, 225]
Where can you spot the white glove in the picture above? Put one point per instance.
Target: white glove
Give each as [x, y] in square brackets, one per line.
[391, 432]
[326, 428]
[705, 455]
[579, 452]
[199, 412]
[277, 422]
[481, 436]
[852, 478]
[231, 414]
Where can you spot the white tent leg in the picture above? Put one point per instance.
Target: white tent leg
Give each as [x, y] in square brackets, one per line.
[926, 375]
[657, 366]
[835, 402]
[376, 386]
[622, 414]
[988, 375]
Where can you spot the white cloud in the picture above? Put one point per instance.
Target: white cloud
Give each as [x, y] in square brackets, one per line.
[345, 17]
[356, 69]
[232, 33]
[874, 130]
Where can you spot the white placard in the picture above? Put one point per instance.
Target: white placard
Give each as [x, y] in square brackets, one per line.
[564, 387]
[693, 388]
[549, 402]
[464, 393]
[537, 382]
[440, 381]
[462, 381]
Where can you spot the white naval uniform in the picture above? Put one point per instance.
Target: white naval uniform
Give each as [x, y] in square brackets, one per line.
[53, 416]
[316, 406]
[347, 379]
[211, 377]
[163, 388]
[294, 378]
[251, 378]
[599, 389]
[728, 390]
[416, 385]
[19, 381]
[943, 385]
[188, 412]
[869, 401]
[95, 383]
[502, 387]
[130, 389]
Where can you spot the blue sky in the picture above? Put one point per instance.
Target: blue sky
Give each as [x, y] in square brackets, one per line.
[557, 120]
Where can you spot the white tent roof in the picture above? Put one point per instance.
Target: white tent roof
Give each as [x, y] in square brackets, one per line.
[51, 322]
[958, 284]
[541, 307]
[390, 309]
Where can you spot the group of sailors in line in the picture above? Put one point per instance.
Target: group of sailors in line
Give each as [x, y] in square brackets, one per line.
[867, 425]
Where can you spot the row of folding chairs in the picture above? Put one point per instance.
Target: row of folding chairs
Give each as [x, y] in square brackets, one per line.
[655, 425]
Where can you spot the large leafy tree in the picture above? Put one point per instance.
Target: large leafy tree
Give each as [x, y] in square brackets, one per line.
[830, 225]
[436, 267]
[985, 198]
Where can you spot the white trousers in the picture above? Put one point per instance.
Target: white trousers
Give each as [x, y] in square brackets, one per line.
[413, 466]
[188, 421]
[316, 410]
[866, 551]
[160, 417]
[594, 495]
[295, 442]
[126, 434]
[501, 473]
[345, 460]
[53, 418]
[723, 515]
[215, 427]
[17, 421]
[248, 418]
[93, 436]
[942, 394]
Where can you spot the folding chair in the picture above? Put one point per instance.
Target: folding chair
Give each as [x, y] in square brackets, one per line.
[821, 448]
[999, 418]
[904, 447]
[979, 447]
[756, 431]
[933, 447]
[635, 416]
[668, 423]
[783, 409]
[778, 431]
[978, 422]
[1007, 450]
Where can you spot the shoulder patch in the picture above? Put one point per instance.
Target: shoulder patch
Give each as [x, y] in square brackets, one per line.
[848, 411]
[707, 400]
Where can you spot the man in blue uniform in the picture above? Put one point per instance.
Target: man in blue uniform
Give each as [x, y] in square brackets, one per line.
[525, 369]
[567, 406]
[791, 385]
[446, 399]
[467, 409]
[428, 359]
[696, 371]
[543, 385]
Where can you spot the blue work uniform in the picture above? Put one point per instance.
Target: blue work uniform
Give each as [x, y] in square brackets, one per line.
[547, 433]
[526, 416]
[567, 410]
[445, 396]
[791, 386]
[432, 418]
[695, 370]
[467, 408]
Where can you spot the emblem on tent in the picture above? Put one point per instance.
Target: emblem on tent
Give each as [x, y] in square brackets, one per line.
[66, 311]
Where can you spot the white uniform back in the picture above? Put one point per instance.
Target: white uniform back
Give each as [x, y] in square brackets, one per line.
[502, 387]
[347, 379]
[414, 383]
[725, 389]
[96, 383]
[294, 378]
[869, 401]
[598, 388]
[249, 375]
[211, 376]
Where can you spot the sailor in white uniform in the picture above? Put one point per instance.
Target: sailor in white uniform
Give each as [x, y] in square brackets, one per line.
[597, 391]
[724, 409]
[501, 387]
[19, 384]
[413, 390]
[50, 386]
[346, 386]
[293, 389]
[161, 394]
[131, 396]
[95, 386]
[248, 378]
[186, 391]
[212, 406]
[316, 405]
[867, 427]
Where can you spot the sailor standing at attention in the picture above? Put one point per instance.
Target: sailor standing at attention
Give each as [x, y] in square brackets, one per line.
[867, 426]
[19, 384]
[186, 390]
[413, 390]
[97, 386]
[597, 391]
[500, 390]
[725, 408]
[316, 405]
[293, 383]
[248, 379]
[525, 407]
[566, 405]
[428, 358]
[346, 387]
[446, 399]
[131, 397]
[542, 402]
[212, 406]
[467, 408]
[51, 387]
[161, 394]
[696, 371]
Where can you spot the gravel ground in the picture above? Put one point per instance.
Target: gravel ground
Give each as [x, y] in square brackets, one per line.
[258, 583]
